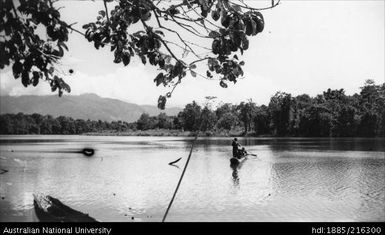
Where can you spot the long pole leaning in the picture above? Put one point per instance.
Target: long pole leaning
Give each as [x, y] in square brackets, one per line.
[181, 177]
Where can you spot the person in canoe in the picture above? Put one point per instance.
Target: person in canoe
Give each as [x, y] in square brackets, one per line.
[236, 148]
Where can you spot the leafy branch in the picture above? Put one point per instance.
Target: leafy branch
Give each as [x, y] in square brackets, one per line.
[226, 25]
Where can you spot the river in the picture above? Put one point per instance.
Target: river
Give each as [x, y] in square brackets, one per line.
[129, 179]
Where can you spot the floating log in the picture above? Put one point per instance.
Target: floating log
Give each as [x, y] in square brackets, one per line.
[50, 209]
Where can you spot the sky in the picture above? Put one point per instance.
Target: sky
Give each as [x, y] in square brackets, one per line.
[306, 47]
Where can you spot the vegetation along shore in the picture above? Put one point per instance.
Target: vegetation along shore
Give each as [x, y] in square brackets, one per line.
[330, 114]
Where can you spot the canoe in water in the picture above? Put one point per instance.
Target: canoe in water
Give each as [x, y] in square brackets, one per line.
[236, 161]
[50, 209]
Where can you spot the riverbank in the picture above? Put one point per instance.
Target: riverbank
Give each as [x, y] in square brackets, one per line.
[176, 133]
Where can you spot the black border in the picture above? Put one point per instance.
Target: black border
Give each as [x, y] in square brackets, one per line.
[199, 227]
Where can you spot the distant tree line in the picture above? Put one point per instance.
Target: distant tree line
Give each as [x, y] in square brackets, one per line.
[331, 114]
[38, 124]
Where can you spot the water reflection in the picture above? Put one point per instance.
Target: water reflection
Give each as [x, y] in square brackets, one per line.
[235, 176]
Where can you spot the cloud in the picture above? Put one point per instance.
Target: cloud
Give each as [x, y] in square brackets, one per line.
[11, 86]
[135, 84]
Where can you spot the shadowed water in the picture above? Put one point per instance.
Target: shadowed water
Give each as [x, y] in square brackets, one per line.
[129, 179]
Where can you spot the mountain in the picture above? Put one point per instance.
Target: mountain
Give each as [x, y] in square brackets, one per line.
[87, 106]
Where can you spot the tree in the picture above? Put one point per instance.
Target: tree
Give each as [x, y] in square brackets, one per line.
[6, 124]
[49, 125]
[162, 121]
[190, 116]
[226, 25]
[261, 120]
[222, 110]
[280, 107]
[208, 119]
[315, 121]
[67, 125]
[246, 113]
[227, 121]
[372, 103]
[143, 122]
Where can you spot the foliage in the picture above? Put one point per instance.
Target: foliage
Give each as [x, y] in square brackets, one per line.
[190, 117]
[280, 107]
[227, 121]
[33, 57]
[143, 29]
[246, 112]
[38, 124]
[331, 114]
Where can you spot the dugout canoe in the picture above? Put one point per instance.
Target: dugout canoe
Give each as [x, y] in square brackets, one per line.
[50, 209]
[236, 161]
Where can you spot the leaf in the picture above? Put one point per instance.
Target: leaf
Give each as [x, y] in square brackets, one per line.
[260, 25]
[245, 44]
[159, 79]
[254, 27]
[86, 26]
[236, 71]
[59, 53]
[161, 102]
[62, 44]
[223, 84]
[53, 87]
[51, 70]
[159, 32]
[102, 13]
[167, 59]
[215, 15]
[214, 34]
[66, 87]
[25, 78]
[211, 63]
[126, 59]
[193, 66]
[249, 26]
[225, 21]
[35, 78]
[173, 11]
[216, 46]
[193, 73]
[16, 69]
[146, 16]
[143, 58]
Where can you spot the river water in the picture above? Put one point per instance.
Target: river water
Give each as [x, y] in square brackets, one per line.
[129, 179]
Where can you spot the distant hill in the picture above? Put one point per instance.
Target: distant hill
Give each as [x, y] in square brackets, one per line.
[87, 106]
